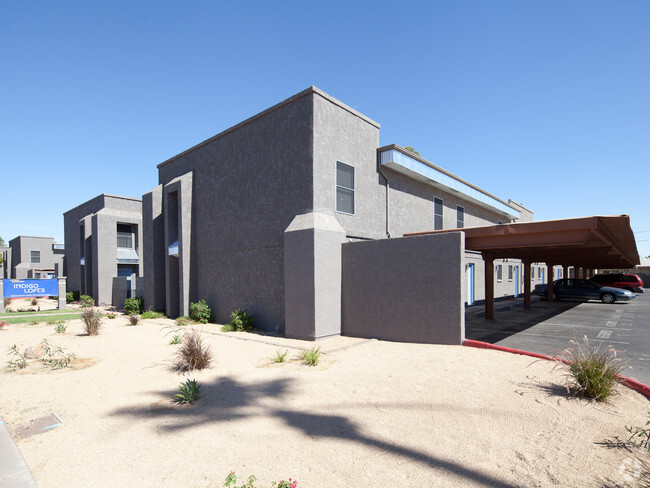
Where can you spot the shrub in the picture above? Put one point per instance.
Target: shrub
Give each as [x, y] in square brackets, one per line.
[133, 306]
[311, 358]
[134, 319]
[280, 357]
[111, 315]
[193, 353]
[72, 296]
[3, 324]
[34, 301]
[200, 312]
[60, 329]
[7, 301]
[55, 357]
[590, 372]
[241, 321]
[231, 481]
[87, 301]
[19, 361]
[92, 320]
[183, 320]
[188, 392]
[150, 314]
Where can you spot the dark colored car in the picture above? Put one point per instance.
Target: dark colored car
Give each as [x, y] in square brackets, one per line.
[584, 290]
[620, 280]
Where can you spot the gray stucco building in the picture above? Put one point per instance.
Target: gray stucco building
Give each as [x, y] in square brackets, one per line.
[34, 258]
[288, 215]
[104, 248]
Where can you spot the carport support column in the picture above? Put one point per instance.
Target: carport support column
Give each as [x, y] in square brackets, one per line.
[565, 271]
[489, 285]
[526, 263]
[549, 288]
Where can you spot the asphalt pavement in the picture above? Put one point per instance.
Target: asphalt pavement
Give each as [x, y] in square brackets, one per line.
[548, 327]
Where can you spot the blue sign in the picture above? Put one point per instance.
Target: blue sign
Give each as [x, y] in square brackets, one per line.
[30, 288]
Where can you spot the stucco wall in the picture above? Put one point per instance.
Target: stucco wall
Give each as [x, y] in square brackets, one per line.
[249, 182]
[408, 289]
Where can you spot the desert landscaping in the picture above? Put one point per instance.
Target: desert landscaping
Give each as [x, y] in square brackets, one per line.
[370, 413]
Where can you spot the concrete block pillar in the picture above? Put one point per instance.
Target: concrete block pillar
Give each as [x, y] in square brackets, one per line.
[2, 295]
[154, 249]
[62, 292]
[312, 276]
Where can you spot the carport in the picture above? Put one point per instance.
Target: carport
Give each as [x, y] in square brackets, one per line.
[598, 242]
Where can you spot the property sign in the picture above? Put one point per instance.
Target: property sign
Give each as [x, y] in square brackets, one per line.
[30, 288]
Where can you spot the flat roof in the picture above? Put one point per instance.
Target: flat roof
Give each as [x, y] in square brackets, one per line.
[587, 242]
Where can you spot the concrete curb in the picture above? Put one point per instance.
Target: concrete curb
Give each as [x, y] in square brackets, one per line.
[629, 382]
[14, 472]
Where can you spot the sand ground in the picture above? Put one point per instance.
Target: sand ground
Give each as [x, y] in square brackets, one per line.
[372, 413]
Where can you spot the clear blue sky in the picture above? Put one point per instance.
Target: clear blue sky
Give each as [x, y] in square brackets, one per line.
[545, 102]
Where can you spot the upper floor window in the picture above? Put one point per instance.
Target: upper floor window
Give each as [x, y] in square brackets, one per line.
[344, 188]
[437, 213]
[125, 236]
[460, 217]
[35, 257]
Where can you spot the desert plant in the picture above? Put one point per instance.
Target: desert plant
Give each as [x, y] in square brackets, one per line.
[133, 306]
[3, 324]
[150, 314]
[183, 320]
[193, 353]
[285, 484]
[87, 301]
[280, 357]
[60, 329]
[590, 372]
[200, 312]
[311, 357]
[640, 436]
[19, 361]
[188, 392]
[134, 319]
[176, 339]
[34, 301]
[111, 315]
[55, 356]
[92, 320]
[241, 321]
[231, 481]
[7, 301]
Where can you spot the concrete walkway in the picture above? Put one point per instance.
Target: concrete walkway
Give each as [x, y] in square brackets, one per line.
[14, 472]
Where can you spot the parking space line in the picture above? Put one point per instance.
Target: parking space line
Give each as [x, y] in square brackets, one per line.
[599, 327]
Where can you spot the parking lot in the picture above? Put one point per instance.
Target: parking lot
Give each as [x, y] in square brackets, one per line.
[548, 327]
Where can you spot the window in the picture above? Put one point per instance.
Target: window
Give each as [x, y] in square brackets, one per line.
[510, 272]
[125, 236]
[35, 257]
[37, 276]
[344, 188]
[460, 217]
[437, 214]
[532, 272]
[499, 272]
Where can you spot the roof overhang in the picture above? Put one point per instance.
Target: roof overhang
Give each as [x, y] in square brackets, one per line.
[588, 242]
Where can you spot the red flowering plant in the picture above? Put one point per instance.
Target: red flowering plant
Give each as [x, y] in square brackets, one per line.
[3, 324]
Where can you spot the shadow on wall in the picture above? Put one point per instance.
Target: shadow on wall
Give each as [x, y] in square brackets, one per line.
[227, 399]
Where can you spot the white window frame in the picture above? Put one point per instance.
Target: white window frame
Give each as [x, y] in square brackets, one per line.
[460, 211]
[435, 215]
[337, 187]
[499, 270]
[510, 272]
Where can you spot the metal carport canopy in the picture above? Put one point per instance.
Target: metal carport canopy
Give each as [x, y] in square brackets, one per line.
[586, 242]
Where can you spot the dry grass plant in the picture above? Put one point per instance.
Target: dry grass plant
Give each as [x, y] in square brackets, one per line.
[193, 352]
[92, 319]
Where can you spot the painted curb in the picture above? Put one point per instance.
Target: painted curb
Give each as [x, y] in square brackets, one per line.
[629, 382]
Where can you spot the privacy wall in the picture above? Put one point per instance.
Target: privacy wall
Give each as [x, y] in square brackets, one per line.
[409, 289]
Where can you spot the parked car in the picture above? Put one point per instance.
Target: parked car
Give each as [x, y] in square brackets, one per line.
[584, 290]
[620, 280]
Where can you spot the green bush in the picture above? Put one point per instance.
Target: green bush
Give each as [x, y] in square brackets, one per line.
[241, 321]
[72, 296]
[87, 301]
[200, 312]
[590, 372]
[150, 314]
[133, 306]
[311, 358]
[188, 392]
